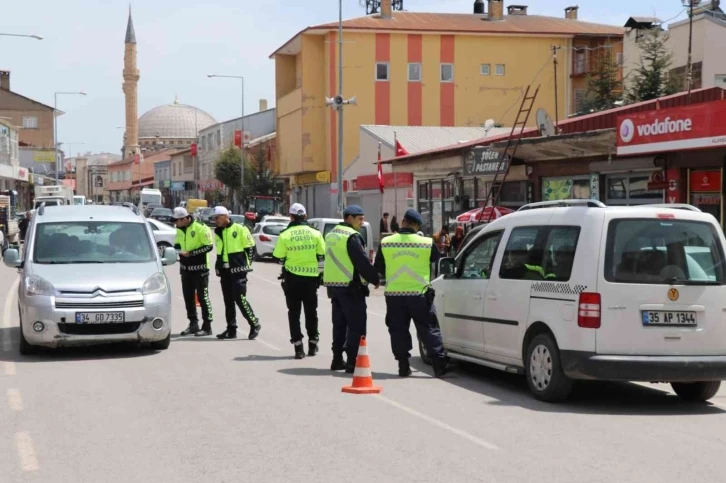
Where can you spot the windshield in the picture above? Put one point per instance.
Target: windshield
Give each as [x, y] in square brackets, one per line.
[161, 212]
[147, 198]
[47, 203]
[77, 200]
[92, 242]
[264, 206]
[273, 229]
[663, 252]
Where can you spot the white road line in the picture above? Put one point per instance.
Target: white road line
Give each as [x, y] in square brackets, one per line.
[26, 451]
[266, 280]
[9, 368]
[267, 344]
[15, 401]
[439, 424]
[12, 292]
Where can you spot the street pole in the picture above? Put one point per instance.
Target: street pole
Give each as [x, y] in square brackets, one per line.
[55, 126]
[689, 75]
[242, 150]
[339, 181]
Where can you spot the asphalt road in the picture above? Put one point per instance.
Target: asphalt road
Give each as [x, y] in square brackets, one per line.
[230, 411]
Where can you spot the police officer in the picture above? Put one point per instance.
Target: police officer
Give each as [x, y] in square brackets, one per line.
[346, 275]
[406, 260]
[194, 243]
[300, 247]
[234, 255]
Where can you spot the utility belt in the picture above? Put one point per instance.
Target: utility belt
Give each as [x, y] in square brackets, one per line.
[285, 276]
[194, 268]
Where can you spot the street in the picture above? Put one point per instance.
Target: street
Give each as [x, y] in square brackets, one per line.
[228, 411]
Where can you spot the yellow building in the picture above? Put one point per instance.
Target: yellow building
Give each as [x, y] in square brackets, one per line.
[428, 69]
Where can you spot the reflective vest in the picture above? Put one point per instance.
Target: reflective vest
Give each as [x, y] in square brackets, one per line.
[232, 243]
[338, 269]
[408, 263]
[300, 246]
[194, 239]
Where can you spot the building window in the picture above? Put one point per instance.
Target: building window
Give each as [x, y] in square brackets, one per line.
[579, 99]
[619, 58]
[173, 169]
[414, 72]
[447, 72]
[382, 71]
[486, 69]
[499, 69]
[30, 122]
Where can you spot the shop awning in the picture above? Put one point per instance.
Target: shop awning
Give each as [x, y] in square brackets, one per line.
[566, 146]
[483, 214]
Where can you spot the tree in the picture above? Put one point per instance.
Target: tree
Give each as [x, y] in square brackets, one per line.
[259, 178]
[651, 79]
[604, 86]
[227, 168]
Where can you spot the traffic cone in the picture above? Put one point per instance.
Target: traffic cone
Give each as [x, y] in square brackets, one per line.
[196, 300]
[362, 377]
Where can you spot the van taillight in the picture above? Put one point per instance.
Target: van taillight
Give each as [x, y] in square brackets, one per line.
[588, 311]
[265, 238]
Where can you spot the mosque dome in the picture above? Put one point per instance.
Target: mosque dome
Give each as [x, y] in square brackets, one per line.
[173, 121]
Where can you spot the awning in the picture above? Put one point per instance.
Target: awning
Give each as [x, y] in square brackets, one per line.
[485, 214]
[565, 146]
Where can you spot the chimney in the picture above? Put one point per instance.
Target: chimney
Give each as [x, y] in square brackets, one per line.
[478, 6]
[263, 105]
[496, 10]
[5, 79]
[571, 12]
[517, 10]
[386, 9]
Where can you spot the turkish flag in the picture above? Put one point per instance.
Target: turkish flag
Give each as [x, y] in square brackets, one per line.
[137, 159]
[380, 170]
[193, 149]
[400, 150]
[238, 139]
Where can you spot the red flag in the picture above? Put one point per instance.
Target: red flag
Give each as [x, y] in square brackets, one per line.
[380, 170]
[400, 150]
[238, 139]
[137, 159]
[193, 149]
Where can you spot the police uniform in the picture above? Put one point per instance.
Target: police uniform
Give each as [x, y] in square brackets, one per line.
[234, 254]
[300, 247]
[196, 239]
[406, 259]
[346, 275]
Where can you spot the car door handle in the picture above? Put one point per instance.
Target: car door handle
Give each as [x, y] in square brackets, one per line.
[492, 297]
[477, 297]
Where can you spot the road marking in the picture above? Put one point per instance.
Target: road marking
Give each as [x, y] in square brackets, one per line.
[265, 280]
[5, 323]
[15, 401]
[437, 423]
[26, 451]
[9, 368]
[267, 344]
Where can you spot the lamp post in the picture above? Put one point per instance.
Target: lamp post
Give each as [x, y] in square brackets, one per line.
[689, 73]
[55, 125]
[242, 123]
[30, 36]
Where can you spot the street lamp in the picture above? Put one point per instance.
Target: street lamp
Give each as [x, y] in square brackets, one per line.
[30, 36]
[689, 75]
[242, 122]
[55, 125]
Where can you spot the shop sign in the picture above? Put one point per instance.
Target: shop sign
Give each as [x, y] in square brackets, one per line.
[530, 192]
[483, 162]
[177, 186]
[707, 199]
[672, 129]
[675, 190]
[657, 181]
[706, 181]
[21, 173]
[44, 156]
[595, 186]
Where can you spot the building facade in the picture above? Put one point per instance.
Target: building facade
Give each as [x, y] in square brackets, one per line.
[33, 119]
[126, 178]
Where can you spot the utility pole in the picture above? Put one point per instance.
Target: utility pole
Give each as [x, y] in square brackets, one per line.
[689, 75]
[555, 48]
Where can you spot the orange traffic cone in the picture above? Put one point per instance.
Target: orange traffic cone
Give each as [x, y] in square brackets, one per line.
[196, 300]
[362, 377]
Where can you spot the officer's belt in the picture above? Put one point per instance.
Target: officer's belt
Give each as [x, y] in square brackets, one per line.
[338, 263]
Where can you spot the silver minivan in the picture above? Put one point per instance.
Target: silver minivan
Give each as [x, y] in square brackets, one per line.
[89, 275]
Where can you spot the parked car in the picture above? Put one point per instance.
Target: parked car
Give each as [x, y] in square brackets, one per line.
[324, 225]
[65, 298]
[266, 235]
[204, 216]
[275, 219]
[161, 214]
[164, 235]
[150, 207]
[576, 290]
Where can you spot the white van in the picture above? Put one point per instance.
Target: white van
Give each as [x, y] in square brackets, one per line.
[324, 225]
[577, 290]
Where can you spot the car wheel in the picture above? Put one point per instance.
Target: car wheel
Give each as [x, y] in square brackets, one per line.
[162, 345]
[255, 256]
[696, 391]
[425, 357]
[161, 246]
[544, 370]
[25, 348]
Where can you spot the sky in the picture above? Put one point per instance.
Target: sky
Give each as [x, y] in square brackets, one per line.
[179, 42]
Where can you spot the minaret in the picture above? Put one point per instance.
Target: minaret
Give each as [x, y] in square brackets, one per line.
[130, 87]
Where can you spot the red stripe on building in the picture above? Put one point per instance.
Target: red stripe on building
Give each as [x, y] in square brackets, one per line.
[415, 89]
[447, 88]
[383, 88]
[332, 39]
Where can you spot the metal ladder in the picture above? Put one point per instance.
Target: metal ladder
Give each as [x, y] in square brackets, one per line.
[509, 151]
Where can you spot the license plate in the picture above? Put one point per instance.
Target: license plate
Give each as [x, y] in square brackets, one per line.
[99, 317]
[651, 317]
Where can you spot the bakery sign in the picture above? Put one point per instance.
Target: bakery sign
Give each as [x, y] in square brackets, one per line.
[482, 161]
[673, 129]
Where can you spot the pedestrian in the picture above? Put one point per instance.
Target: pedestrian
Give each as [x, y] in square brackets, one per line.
[384, 224]
[346, 275]
[443, 241]
[194, 243]
[234, 260]
[23, 225]
[394, 225]
[299, 247]
[456, 240]
[405, 259]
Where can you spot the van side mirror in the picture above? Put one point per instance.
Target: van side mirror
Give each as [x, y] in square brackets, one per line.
[447, 267]
[169, 256]
[11, 258]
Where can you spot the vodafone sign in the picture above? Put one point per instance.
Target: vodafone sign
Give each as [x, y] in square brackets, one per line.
[673, 129]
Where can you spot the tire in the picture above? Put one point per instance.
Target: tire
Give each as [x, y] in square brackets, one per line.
[543, 370]
[161, 246]
[25, 348]
[696, 391]
[425, 357]
[256, 256]
[162, 345]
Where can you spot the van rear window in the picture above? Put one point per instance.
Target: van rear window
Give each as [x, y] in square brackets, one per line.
[648, 251]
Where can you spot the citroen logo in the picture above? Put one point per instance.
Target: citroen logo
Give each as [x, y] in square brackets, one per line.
[673, 294]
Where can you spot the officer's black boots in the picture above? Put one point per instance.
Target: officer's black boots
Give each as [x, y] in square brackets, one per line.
[191, 330]
[299, 350]
[228, 334]
[206, 330]
[404, 368]
[349, 368]
[442, 367]
[338, 363]
[312, 347]
[255, 330]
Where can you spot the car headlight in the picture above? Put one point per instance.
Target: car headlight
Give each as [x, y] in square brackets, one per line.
[35, 285]
[155, 284]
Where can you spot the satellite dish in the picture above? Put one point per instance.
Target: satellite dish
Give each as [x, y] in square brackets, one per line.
[544, 121]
